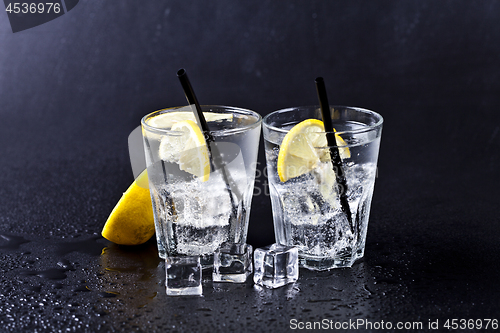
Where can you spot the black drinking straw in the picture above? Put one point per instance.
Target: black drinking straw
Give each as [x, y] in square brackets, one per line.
[334, 151]
[214, 154]
[191, 98]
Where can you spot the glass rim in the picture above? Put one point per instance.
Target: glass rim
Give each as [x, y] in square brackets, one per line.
[366, 128]
[216, 132]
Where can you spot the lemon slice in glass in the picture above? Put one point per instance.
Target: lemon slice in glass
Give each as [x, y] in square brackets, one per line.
[186, 146]
[168, 119]
[300, 152]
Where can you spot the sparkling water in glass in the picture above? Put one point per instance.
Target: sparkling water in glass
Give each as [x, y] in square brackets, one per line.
[192, 216]
[307, 209]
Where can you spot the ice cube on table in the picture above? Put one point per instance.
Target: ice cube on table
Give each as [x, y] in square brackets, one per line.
[276, 265]
[232, 263]
[183, 276]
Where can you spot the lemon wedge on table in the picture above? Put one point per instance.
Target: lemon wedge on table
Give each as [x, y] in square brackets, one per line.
[188, 149]
[131, 222]
[299, 151]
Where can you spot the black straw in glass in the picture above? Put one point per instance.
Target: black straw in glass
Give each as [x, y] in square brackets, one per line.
[191, 98]
[214, 154]
[334, 151]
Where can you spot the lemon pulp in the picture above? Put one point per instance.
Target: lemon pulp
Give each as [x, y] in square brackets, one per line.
[186, 147]
[299, 153]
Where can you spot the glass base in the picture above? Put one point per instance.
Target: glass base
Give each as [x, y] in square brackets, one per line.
[326, 263]
[272, 283]
[235, 278]
[162, 254]
[206, 261]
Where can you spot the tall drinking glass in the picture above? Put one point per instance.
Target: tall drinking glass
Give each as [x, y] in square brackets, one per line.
[324, 217]
[201, 185]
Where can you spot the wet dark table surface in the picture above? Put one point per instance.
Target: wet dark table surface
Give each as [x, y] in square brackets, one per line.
[73, 89]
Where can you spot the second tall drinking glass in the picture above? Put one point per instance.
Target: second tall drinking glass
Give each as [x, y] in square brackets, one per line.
[201, 193]
[321, 194]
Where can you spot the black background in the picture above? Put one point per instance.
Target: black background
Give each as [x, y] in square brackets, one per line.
[72, 90]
